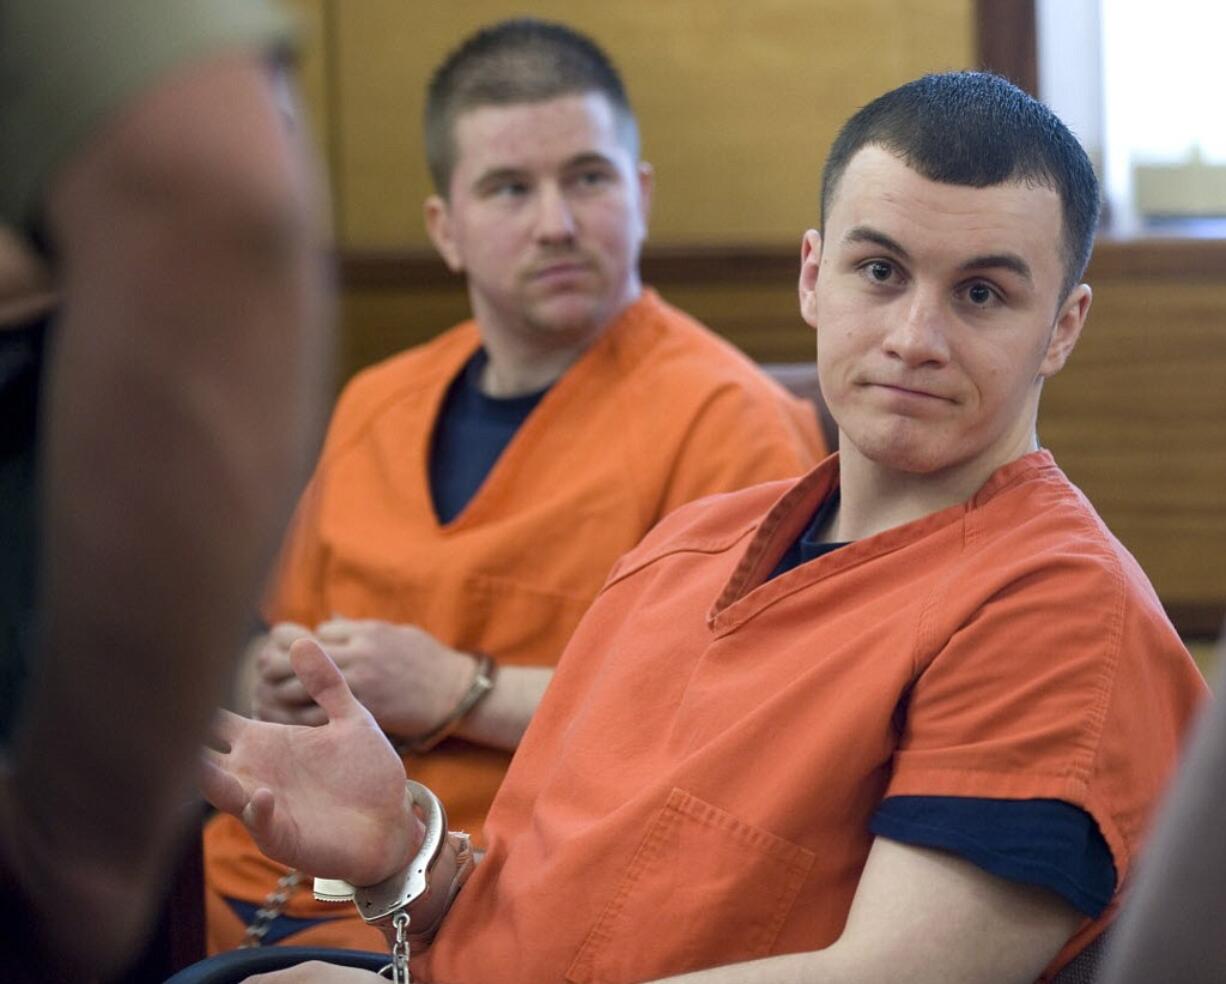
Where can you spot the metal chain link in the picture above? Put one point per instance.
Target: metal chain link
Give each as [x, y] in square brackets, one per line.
[273, 906]
[398, 970]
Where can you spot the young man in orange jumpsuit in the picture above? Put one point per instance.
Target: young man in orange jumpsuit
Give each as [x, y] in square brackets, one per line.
[905, 718]
[474, 492]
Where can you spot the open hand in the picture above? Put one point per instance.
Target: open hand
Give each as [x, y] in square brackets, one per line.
[330, 800]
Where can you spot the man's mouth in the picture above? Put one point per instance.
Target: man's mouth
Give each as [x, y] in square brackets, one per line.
[904, 391]
[559, 269]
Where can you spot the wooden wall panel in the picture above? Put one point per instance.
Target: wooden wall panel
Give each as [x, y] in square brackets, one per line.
[737, 101]
[1137, 418]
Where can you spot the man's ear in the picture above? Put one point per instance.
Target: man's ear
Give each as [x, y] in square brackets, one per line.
[647, 185]
[1069, 322]
[810, 262]
[438, 226]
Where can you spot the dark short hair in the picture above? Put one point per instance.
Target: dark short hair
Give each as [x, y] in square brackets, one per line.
[977, 129]
[516, 61]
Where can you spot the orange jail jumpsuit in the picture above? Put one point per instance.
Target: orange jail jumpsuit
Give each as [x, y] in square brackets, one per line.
[696, 787]
[656, 413]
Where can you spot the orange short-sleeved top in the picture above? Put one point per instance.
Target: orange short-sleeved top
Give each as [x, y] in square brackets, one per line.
[658, 412]
[697, 786]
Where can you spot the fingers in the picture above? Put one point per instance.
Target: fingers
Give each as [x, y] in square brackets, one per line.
[289, 693]
[285, 634]
[323, 681]
[258, 812]
[314, 972]
[219, 787]
[336, 629]
[226, 728]
[272, 659]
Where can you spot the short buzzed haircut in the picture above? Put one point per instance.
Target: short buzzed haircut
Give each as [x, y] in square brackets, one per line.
[977, 129]
[516, 61]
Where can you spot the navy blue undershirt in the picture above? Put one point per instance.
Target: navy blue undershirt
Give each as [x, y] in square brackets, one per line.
[809, 546]
[1044, 842]
[472, 431]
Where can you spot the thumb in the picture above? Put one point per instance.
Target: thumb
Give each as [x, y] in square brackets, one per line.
[323, 681]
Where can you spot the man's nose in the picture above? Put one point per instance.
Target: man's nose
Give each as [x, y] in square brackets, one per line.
[555, 220]
[918, 337]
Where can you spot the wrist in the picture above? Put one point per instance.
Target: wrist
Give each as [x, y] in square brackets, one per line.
[455, 865]
[421, 891]
[481, 683]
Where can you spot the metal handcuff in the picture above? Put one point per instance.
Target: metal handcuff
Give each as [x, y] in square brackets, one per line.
[385, 905]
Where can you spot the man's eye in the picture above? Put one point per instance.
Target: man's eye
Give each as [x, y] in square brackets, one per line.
[980, 294]
[879, 271]
[592, 179]
[509, 189]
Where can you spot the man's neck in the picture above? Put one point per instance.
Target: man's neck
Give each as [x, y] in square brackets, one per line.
[874, 499]
[529, 360]
[510, 372]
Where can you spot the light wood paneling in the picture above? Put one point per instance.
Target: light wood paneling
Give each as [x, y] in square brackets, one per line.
[737, 101]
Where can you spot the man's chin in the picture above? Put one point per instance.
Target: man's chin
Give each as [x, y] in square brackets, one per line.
[570, 315]
[903, 454]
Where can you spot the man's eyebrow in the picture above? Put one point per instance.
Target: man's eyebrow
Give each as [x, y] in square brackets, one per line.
[989, 261]
[999, 261]
[866, 234]
[498, 174]
[588, 158]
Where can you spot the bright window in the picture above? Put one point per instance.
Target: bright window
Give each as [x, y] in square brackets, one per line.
[1141, 84]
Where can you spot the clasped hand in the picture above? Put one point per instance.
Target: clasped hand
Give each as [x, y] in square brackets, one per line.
[404, 676]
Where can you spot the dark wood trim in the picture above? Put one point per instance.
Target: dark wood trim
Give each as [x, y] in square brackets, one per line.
[1007, 42]
[1197, 620]
[663, 266]
[406, 269]
[1168, 259]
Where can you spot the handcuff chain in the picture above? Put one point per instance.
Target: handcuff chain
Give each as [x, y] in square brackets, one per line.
[273, 906]
[398, 970]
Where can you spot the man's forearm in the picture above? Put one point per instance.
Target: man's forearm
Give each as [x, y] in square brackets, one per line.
[183, 385]
[502, 717]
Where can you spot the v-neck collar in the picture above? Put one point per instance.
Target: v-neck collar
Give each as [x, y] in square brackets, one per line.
[516, 457]
[747, 590]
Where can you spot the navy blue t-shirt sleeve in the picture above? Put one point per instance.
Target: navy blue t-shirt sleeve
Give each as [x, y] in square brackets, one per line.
[1044, 842]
